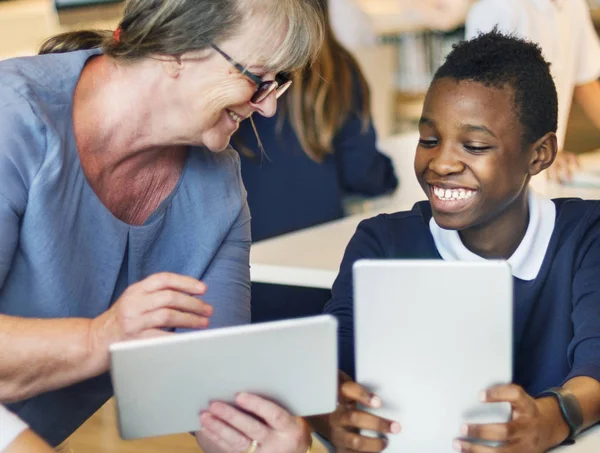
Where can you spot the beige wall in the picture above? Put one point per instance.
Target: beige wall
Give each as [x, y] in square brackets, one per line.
[25, 24]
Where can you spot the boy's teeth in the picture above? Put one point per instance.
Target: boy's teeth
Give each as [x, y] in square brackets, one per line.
[452, 194]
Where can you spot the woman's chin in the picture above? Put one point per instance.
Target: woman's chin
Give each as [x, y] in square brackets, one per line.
[217, 142]
[217, 148]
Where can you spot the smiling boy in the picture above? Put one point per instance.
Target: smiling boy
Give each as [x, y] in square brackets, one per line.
[488, 126]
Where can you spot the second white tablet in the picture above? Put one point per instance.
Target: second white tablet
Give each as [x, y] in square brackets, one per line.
[161, 385]
[430, 336]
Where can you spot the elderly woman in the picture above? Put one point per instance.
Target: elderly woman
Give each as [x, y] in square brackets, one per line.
[121, 203]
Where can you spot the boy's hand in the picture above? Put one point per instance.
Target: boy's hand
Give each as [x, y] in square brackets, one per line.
[527, 432]
[347, 421]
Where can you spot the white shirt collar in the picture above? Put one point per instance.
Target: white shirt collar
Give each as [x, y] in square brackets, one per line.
[527, 260]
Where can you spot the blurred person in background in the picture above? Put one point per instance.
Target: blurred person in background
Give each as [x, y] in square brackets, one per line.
[320, 147]
[357, 22]
[566, 34]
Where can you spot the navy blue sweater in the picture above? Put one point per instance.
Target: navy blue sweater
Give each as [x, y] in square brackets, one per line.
[556, 315]
[288, 191]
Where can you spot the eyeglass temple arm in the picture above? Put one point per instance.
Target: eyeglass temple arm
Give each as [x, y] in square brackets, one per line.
[238, 66]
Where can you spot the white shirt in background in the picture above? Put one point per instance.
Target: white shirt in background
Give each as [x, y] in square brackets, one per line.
[10, 427]
[351, 24]
[356, 23]
[563, 29]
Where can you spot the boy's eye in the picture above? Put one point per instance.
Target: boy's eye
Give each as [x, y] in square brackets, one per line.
[477, 149]
[427, 143]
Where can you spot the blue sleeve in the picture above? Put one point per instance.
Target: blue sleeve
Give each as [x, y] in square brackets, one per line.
[584, 349]
[22, 147]
[363, 170]
[228, 276]
[368, 242]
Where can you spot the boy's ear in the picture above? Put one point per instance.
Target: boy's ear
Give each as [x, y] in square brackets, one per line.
[543, 153]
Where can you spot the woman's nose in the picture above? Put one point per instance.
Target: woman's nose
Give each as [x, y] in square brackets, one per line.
[268, 106]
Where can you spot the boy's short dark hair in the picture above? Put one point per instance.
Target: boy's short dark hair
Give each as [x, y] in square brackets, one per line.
[497, 60]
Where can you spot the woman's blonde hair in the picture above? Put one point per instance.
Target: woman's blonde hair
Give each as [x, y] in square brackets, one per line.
[324, 95]
[174, 27]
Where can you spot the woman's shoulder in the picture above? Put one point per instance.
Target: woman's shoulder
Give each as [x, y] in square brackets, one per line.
[42, 79]
[33, 94]
[22, 143]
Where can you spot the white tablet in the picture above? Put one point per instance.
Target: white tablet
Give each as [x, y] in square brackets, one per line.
[430, 336]
[161, 385]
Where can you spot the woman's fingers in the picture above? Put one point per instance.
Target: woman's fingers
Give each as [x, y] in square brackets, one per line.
[167, 318]
[178, 301]
[275, 416]
[176, 282]
[224, 435]
[247, 425]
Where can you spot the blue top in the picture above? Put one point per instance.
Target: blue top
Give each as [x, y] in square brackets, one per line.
[63, 254]
[556, 314]
[288, 191]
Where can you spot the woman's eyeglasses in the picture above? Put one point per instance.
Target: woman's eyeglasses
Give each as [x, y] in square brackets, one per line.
[265, 87]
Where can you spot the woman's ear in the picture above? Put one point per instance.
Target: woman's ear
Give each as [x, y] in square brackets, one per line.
[543, 153]
[173, 66]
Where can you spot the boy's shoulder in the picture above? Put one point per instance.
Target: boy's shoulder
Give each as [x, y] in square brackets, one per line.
[401, 229]
[420, 214]
[402, 234]
[576, 213]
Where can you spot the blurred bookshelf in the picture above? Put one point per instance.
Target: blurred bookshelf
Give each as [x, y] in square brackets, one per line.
[418, 55]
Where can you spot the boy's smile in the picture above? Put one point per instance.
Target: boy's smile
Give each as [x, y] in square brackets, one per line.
[449, 198]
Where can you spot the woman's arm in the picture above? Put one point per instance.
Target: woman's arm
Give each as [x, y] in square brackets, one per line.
[39, 355]
[43, 355]
[228, 277]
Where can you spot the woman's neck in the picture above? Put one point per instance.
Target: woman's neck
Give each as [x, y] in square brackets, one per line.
[118, 114]
[500, 237]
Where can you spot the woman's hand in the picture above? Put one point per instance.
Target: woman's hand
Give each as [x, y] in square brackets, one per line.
[347, 421]
[563, 167]
[528, 431]
[228, 429]
[161, 301]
